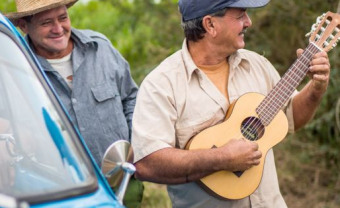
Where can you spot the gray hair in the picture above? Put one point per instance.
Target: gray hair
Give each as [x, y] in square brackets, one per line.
[194, 30]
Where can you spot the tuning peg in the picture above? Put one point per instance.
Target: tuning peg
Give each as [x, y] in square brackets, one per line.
[316, 25]
[313, 28]
[319, 19]
[333, 46]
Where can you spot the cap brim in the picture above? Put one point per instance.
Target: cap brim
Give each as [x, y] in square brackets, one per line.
[190, 10]
[249, 3]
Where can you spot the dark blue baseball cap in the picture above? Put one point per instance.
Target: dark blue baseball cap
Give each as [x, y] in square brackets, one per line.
[192, 9]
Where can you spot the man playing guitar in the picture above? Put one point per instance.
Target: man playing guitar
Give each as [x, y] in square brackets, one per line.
[193, 89]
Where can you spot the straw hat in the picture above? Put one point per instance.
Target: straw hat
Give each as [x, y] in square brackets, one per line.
[30, 7]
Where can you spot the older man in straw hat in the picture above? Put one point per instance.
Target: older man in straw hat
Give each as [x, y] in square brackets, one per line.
[91, 77]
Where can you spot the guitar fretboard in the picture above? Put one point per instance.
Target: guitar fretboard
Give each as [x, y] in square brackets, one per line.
[282, 91]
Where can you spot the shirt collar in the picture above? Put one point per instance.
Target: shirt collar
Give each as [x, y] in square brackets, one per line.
[239, 59]
[82, 37]
[236, 59]
[189, 64]
[42, 61]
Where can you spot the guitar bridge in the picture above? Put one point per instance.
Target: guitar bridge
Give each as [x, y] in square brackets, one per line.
[238, 173]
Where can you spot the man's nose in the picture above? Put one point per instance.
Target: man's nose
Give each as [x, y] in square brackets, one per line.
[247, 21]
[57, 27]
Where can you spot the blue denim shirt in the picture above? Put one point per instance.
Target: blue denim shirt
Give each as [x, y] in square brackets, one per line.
[103, 97]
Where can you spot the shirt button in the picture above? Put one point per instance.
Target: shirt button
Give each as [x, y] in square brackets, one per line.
[74, 101]
[82, 129]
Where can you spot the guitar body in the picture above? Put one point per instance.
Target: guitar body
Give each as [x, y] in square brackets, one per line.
[226, 184]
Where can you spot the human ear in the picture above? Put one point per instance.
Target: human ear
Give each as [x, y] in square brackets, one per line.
[22, 24]
[209, 25]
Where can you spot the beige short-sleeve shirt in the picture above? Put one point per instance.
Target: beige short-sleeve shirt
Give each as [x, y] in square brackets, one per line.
[177, 100]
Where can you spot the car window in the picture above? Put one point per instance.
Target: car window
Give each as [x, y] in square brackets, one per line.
[38, 155]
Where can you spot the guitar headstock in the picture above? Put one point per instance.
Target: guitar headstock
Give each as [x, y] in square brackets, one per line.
[325, 32]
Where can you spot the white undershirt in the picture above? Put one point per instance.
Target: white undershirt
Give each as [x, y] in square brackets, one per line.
[64, 67]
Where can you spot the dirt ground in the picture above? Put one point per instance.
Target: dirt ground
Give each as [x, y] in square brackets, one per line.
[304, 179]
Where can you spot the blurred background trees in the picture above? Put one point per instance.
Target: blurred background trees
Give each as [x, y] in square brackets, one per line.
[147, 31]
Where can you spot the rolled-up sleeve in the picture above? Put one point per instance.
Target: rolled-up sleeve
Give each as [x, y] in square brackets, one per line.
[154, 117]
[288, 109]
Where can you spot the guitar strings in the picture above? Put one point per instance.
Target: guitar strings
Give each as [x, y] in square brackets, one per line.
[281, 96]
[315, 50]
[258, 123]
[254, 123]
[299, 63]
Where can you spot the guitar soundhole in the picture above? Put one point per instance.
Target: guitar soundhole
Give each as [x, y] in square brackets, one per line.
[252, 128]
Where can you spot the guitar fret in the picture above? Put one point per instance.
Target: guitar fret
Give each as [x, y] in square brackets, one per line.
[310, 54]
[282, 91]
[294, 81]
[290, 83]
[305, 58]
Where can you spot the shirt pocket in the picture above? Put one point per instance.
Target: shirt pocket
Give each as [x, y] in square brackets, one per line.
[105, 91]
[108, 102]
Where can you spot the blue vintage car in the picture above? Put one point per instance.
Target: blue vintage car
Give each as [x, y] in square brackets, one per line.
[43, 160]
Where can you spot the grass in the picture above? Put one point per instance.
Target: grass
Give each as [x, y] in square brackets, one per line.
[155, 196]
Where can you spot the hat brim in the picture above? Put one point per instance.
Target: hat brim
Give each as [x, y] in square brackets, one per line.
[192, 9]
[248, 3]
[15, 16]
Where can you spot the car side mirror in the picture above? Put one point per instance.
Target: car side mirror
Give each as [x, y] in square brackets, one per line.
[117, 166]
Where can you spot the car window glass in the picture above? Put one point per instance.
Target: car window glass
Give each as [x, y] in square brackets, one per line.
[37, 154]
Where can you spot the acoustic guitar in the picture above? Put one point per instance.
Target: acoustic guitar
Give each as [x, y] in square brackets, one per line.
[259, 118]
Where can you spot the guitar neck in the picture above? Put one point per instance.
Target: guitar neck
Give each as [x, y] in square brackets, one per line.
[282, 91]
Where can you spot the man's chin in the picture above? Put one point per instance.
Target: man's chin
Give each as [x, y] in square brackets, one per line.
[58, 47]
[56, 53]
[241, 45]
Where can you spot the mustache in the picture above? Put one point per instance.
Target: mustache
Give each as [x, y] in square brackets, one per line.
[244, 30]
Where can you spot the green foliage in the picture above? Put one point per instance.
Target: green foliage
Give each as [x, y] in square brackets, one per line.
[7, 6]
[145, 32]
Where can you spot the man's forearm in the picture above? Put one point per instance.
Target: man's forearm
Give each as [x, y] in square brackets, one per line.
[304, 105]
[175, 166]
